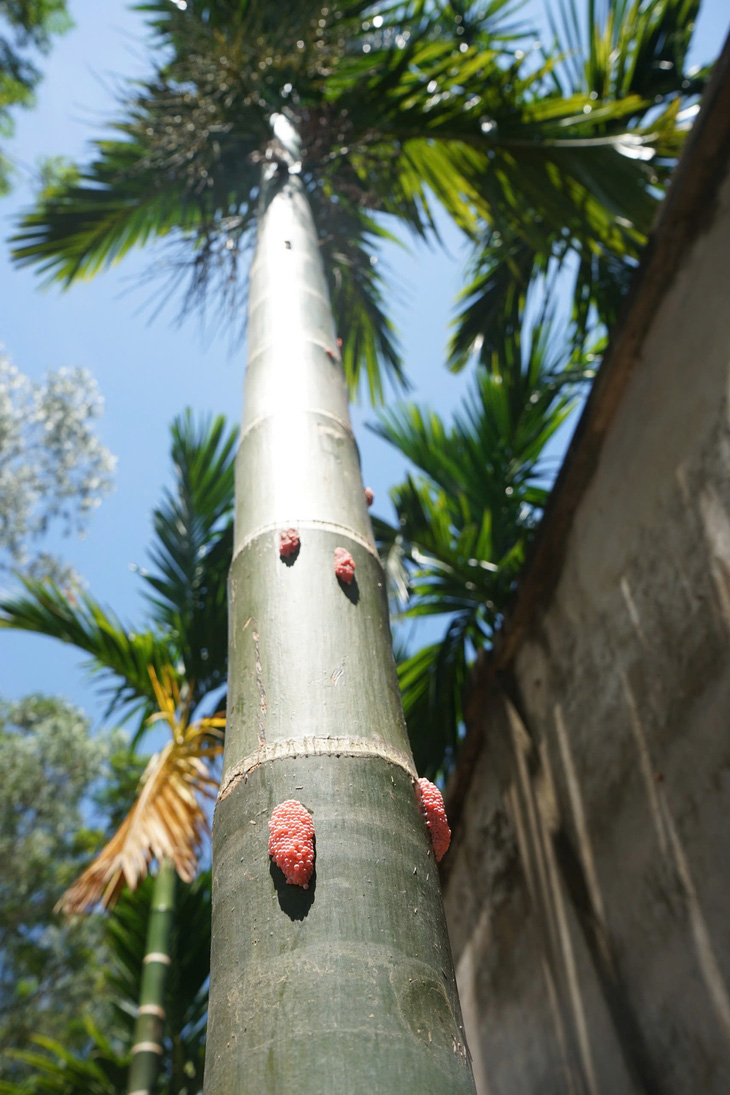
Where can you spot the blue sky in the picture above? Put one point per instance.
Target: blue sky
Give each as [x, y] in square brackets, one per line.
[149, 371]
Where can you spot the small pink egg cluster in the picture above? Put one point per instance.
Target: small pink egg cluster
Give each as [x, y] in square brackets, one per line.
[369, 495]
[432, 806]
[344, 565]
[288, 543]
[291, 844]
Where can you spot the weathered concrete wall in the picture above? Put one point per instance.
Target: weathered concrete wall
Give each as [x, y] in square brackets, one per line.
[588, 888]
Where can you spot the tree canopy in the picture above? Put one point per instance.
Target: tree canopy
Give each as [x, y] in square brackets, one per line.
[99, 1066]
[50, 820]
[27, 28]
[399, 107]
[53, 467]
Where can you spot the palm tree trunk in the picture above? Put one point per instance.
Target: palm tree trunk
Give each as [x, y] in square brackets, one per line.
[147, 1049]
[347, 986]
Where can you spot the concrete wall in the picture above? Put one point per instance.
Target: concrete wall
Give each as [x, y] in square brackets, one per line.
[588, 887]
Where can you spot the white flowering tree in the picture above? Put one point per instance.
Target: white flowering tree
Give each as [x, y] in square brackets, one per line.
[54, 470]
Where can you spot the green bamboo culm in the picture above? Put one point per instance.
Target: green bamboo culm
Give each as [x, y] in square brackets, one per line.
[148, 1032]
[347, 986]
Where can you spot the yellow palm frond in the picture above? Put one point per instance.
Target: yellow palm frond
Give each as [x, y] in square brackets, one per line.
[167, 820]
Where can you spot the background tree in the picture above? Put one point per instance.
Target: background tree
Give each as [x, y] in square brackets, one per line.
[50, 819]
[166, 821]
[26, 30]
[100, 1067]
[53, 468]
[466, 515]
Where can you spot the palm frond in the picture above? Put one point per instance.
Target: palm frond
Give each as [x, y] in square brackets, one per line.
[493, 300]
[577, 171]
[54, 1070]
[626, 47]
[357, 289]
[167, 820]
[432, 683]
[120, 656]
[465, 516]
[393, 554]
[193, 545]
[178, 160]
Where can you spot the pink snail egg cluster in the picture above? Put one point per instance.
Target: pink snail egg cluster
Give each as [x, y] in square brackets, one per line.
[369, 495]
[432, 807]
[344, 565]
[291, 843]
[288, 543]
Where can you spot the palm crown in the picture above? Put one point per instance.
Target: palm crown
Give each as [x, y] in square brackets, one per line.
[396, 105]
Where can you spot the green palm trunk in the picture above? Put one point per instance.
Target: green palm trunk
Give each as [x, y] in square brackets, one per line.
[347, 986]
[148, 1032]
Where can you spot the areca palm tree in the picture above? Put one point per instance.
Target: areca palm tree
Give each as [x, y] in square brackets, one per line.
[187, 589]
[465, 517]
[169, 669]
[308, 126]
[167, 822]
[102, 1069]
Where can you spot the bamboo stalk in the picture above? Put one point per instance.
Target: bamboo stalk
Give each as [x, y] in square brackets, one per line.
[148, 1049]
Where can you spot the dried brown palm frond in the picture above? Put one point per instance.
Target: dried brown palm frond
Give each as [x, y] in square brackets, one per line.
[167, 820]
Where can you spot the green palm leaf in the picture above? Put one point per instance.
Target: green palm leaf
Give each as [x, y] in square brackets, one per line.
[581, 166]
[397, 105]
[103, 1068]
[465, 517]
[119, 656]
[432, 683]
[56, 1071]
[192, 549]
[349, 239]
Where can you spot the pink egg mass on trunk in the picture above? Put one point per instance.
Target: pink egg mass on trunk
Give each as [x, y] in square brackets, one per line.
[344, 565]
[434, 812]
[291, 843]
[288, 543]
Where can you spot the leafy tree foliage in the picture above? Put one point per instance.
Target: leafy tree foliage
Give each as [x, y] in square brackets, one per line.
[397, 105]
[26, 30]
[53, 468]
[54, 1067]
[187, 623]
[49, 968]
[623, 65]
[466, 516]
